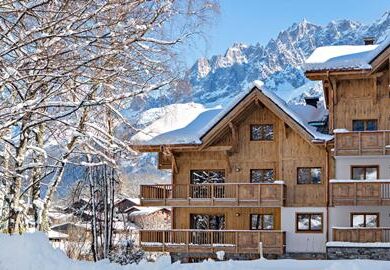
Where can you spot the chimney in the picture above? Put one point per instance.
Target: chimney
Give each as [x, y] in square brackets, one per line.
[312, 101]
[369, 40]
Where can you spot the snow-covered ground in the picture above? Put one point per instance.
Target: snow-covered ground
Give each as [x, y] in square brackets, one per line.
[34, 252]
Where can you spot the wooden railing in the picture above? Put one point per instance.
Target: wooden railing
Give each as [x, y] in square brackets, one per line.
[359, 192]
[361, 235]
[221, 194]
[356, 143]
[230, 241]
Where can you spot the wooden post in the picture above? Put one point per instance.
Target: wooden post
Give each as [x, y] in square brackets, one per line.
[238, 193]
[165, 194]
[187, 240]
[163, 241]
[259, 194]
[188, 194]
[212, 241]
[236, 240]
[212, 194]
[355, 193]
[360, 143]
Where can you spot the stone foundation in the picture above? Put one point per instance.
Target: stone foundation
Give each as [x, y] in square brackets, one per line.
[372, 253]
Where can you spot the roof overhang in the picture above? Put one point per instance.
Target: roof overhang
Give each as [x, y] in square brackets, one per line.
[318, 75]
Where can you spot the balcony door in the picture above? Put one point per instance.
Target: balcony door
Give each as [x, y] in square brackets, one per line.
[207, 222]
[201, 180]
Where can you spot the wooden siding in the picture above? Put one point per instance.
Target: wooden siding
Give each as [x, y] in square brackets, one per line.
[211, 241]
[362, 235]
[360, 193]
[236, 218]
[362, 143]
[355, 99]
[231, 194]
[284, 155]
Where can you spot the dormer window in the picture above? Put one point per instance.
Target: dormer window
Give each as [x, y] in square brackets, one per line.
[365, 125]
[262, 132]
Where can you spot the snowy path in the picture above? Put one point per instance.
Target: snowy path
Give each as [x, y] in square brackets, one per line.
[34, 252]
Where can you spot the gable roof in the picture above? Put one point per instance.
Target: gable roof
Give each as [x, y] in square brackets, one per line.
[195, 129]
[345, 57]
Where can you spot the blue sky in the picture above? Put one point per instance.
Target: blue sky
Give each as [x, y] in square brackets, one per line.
[252, 21]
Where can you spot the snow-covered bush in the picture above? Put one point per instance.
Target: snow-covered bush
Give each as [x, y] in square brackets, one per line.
[127, 253]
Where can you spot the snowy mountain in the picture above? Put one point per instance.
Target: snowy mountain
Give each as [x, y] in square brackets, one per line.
[278, 63]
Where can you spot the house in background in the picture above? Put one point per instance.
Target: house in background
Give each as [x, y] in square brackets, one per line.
[300, 179]
[125, 203]
[150, 217]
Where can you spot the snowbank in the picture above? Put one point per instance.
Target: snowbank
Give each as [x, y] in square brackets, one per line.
[34, 252]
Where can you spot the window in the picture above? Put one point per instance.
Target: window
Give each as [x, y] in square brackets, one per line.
[363, 125]
[262, 176]
[207, 176]
[262, 132]
[201, 180]
[364, 172]
[309, 222]
[207, 222]
[262, 222]
[309, 175]
[364, 220]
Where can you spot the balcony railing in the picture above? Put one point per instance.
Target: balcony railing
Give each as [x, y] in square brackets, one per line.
[360, 192]
[356, 143]
[361, 235]
[221, 194]
[197, 241]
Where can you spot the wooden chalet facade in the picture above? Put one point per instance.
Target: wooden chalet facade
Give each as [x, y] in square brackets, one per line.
[261, 172]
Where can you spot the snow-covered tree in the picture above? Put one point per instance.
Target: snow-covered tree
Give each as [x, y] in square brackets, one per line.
[67, 69]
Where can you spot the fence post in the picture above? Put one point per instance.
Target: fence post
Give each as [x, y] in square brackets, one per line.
[163, 240]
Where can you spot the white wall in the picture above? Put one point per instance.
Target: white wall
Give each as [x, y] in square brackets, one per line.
[302, 242]
[343, 165]
[340, 216]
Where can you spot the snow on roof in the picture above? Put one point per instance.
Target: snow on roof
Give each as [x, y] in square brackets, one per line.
[298, 114]
[121, 226]
[134, 200]
[56, 235]
[345, 57]
[180, 125]
[188, 123]
[145, 210]
[86, 226]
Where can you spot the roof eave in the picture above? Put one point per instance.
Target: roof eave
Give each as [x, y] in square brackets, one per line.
[146, 148]
[322, 74]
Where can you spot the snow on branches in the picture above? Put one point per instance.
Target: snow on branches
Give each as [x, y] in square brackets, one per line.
[67, 71]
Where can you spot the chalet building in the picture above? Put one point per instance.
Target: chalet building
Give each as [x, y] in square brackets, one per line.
[300, 179]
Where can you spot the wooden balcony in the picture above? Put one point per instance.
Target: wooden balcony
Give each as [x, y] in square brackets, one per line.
[357, 143]
[361, 235]
[226, 194]
[204, 241]
[359, 192]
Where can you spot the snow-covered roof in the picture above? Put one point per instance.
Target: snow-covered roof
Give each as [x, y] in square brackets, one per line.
[142, 210]
[345, 57]
[56, 235]
[188, 124]
[121, 226]
[136, 201]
